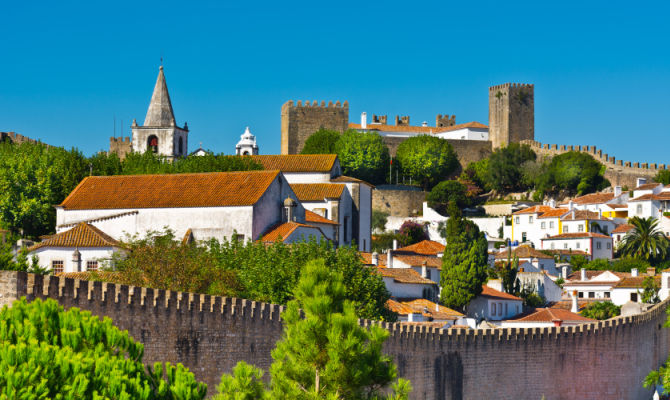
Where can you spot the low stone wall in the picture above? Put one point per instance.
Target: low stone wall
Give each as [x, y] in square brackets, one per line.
[398, 200]
[467, 151]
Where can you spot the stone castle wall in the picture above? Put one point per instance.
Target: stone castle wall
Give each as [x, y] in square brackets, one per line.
[16, 138]
[299, 121]
[396, 201]
[619, 172]
[467, 151]
[208, 334]
[511, 113]
[121, 146]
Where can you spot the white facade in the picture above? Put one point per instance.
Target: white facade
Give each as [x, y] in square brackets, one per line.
[596, 246]
[409, 290]
[91, 258]
[465, 134]
[493, 309]
[247, 145]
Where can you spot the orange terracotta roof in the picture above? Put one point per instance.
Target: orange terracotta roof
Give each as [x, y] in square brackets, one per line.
[496, 294]
[92, 220]
[567, 252]
[284, 230]
[523, 252]
[650, 196]
[317, 191]
[404, 275]
[554, 213]
[647, 186]
[427, 324]
[418, 260]
[593, 198]
[431, 309]
[399, 308]
[550, 315]
[615, 206]
[636, 281]
[623, 228]
[105, 276]
[297, 162]
[82, 235]
[566, 304]
[534, 210]
[425, 247]
[343, 178]
[582, 215]
[311, 216]
[577, 235]
[215, 189]
[367, 258]
[418, 129]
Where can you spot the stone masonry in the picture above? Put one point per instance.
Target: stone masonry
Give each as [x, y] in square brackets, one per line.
[299, 121]
[511, 113]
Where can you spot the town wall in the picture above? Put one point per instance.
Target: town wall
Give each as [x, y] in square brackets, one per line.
[209, 334]
[619, 172]
[467, 151]
[16, 138]
[511, 113]
[299, 121]
[121, 146]
[398, 200]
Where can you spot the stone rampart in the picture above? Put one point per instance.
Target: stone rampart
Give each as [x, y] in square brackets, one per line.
[16, 138]
[619, 172]
[121, 146]
[467, 151]
[208, 334]
[397, 201]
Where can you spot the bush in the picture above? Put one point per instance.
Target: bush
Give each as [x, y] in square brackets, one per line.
[663, 176]
[363, 156]
[447, 192]
[412, 232]
[49, 353]
[321, 142]
[601, 310]
[426, 159]
[574, 172]
[379, 219]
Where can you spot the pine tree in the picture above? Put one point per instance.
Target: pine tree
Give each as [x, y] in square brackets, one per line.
[464, 263]
[324, 353]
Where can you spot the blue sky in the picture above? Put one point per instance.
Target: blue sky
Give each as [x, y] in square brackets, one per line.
[601, 69]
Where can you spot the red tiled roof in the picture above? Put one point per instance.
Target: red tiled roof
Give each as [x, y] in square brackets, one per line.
[425, 247]
[496, 294]
[214, 189]
[367, 258]
[582, 215]
[317, 191]
[399, 308]
[551, 314]
[566, 304]
[534, 210]
[623, 228]
[593, 198]
[554, 213]
[82, 235]
[665, 196]
[284, 230]
[567, 252]
[431, 309]
[577, 235]
[615, 205]
[297, 162]
[418, 129]
[343, 179]
[404, 275]
[311, 216]
[636, 281]
[647, 186]
[523, 252]
[418, 260]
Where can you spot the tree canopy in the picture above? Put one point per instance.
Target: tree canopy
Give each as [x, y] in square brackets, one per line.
[601, 310]
[663, 176]
[324, 353]
[321, 142]
[49, 353]
[447, 192]
[575, 172]
[426, 159]
[363, 156]
[646, 241]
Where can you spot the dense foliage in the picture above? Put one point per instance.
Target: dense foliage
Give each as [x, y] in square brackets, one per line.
[426, 159]
[504, 167]
[34, 177]
[324, 353]
[650, 288]
[49, 353]
[624, 264]
[363, 156]
[663, 176]
[412, 232]
[662, 375]
[601, 310]
[250, 270]
[447, 192]
[464, 264]
[379, 220]
[321, 142]
[646, 241]
[573, 172]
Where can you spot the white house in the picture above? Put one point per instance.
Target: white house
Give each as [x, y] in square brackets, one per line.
[592, 284]
[422, 310]
[406, 283]
[597, 201]
[619, 233]
[331, 201]
[81, 248]
[595, 245]
[494, 305]
[545, 318]
[528, 256]
[586, 221]
[220, 205]
[526, 228]
[444, 128]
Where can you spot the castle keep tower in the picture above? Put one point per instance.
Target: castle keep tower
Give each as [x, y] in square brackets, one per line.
[160, 133]
[511, 113]
[298, 122]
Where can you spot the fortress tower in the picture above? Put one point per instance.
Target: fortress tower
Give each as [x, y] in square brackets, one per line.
[299, 121]
[511, 113]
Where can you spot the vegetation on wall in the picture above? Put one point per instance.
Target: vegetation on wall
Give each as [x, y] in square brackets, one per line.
[426, 159]
[49, 353]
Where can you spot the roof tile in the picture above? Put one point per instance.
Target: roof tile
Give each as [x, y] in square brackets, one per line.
[297, 162]
[317, 191]
[82, 235]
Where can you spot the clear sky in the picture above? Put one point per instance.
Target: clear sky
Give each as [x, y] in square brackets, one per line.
[601, 69]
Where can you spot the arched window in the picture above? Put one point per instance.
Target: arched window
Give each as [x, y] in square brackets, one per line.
[152, 143]
[181, 145]
[246, 153]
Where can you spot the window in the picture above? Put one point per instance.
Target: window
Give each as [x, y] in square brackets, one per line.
[516, 220]
[530, 219]
[598, 245]
[592, 295]
[580, 228]
[499, 308]
[607, 295]
[565, 245]
[238, 238]
[553, 245]
[577, 245]
[542, 225]
[363, 244]
[56, 266]
[152, 143]
[580, 295]
[506, 309]
[91, 265]
[551, 224]
[181, 145]
[633, 297]
[605, 229]
[517, 308]
[639, 209]
[609, 245]
[346, 229]
[493, 308]
[523, 236]
[565, 229]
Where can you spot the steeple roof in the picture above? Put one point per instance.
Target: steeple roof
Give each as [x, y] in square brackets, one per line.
[160, 109]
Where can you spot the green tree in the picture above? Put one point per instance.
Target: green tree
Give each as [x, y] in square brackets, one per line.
[445, 192]
[504, 167]
[464, 264]
[379, 219]
[646, 241]
[650, 290]
[324, 352]
[363, 156]
[426, 159]
[411, 232]
[49, 353]
[626, 264]
[601, 310]
[574, 172]
[508, 272]
[663, 176]
[321, 142]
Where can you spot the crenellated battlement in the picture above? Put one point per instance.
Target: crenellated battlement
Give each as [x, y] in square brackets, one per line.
[315, 104]
[120, 139]
[511, 85]
[17, 138]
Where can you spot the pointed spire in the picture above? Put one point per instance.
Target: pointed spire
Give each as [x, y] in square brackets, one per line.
[160, 109]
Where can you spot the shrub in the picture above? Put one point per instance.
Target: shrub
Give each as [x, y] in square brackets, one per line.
[601, 310]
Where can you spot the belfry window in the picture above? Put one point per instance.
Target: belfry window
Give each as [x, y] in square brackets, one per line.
[181, 146]
[152, 144]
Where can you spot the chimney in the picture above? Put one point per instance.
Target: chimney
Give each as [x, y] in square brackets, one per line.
[395, 244]
[552, 203]
[633, 272]
[571, 204]
[617, 191]
[564, 271]
[651, 271]
[521, 269]
[575, 306]
[389, 262]
[535, 262]
[573, 214]
[76, 260]
[364, 120]
[641, 181]
[424, 124]
[375, 258]
[424, 270]
[557, 322]
[583, 272]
